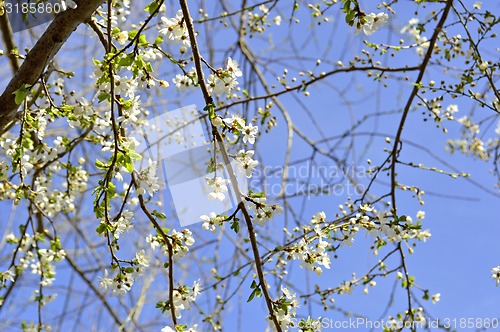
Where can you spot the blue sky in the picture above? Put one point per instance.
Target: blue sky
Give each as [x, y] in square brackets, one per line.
[457, 259]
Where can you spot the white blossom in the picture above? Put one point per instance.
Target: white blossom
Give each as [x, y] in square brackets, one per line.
[285, 317]
[318, 218]
[211, 221]
[182, 82]
[262, 211]
[122, 37]
[249, 132]
[495, 274]
[310, 255]
[7, 275]
[154, 243]
[235, 121]
[123, 223]
[147, 179]
[167, 329]
[175, 29]
[245, 162]
[142, 259]
[232, 67]
[183, 297]
[219, 187]
[372, 23]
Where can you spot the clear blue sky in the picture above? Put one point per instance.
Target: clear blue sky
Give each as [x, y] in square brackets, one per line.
[457, 259]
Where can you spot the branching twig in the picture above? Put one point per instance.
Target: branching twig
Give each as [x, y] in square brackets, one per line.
[225, 156]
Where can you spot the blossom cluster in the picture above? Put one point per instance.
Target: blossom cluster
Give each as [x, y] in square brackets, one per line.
[285, 310]
[470, 144]
[186, 81]
[218, 186]
[257, 21]
[124, 279]
[175, 29]
[122, 224]
[147, 180]
[211, 221]
[308, 254]
[262, 211]
[237, 125]
[222, 82]
[45, 194]
[40, 260]
[371, 23]
[383, 226]
[180, 242]
[422, 43]
[245, 164]
[183, 297]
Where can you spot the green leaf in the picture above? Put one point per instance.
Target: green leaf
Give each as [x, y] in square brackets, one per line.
[258, 195]
[134, 155]
[101, 228]
[127, 61]
[347, 5]
[142, 40]
[210, 108]
[21, 94]
[132, 34]
[129, 165]
[235, 225]
[350, 16]
[151, 7]
[103, 96]
[99, 164]
[252, 295]
[158, 40]
[211, 166]
[418, 85]
[163, 306]
[284, 307]
[159, 215]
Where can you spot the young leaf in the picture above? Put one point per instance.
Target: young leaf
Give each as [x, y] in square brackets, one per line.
[20, 94]
[235, 225]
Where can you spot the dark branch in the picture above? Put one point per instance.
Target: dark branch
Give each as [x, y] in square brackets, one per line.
[41, 54]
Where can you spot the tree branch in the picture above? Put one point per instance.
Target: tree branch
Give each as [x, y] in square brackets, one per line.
[225, 156]
[41, 54]
[9, 41]
[423, 67]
